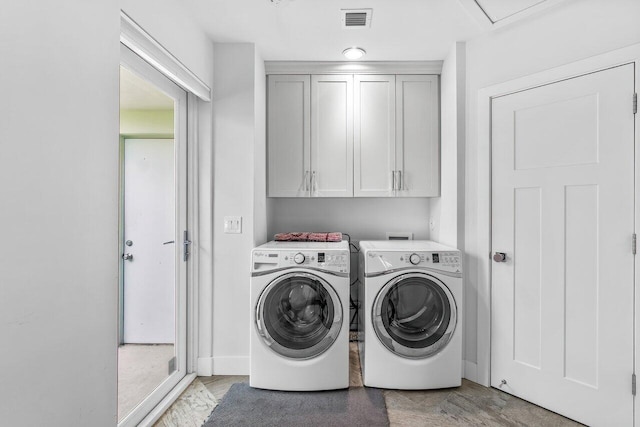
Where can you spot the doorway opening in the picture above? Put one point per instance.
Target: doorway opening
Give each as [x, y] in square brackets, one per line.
[152, 273]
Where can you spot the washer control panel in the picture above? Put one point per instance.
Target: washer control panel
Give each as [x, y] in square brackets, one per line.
[336, 261]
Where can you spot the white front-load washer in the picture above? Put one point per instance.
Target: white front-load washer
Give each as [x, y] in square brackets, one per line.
[299, 316]
[410, 325]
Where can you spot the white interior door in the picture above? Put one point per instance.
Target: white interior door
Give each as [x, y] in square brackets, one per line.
[563, 213]
[149, 234]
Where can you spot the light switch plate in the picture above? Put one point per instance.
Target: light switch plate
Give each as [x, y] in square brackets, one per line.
[233, 224]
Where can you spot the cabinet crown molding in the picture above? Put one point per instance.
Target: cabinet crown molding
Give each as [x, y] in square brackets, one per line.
[360, 67]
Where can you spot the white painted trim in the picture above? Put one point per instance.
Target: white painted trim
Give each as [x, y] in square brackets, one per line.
[231, 365]
[205, 366]
[470, 371]
[485, 22]
[166, 403]
[482, 250]
[636, 266]
[636, 270]
[361, 67]
[193, 204]
[139, 41]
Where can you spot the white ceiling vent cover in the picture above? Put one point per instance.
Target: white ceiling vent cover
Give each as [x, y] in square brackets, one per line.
[356, 18]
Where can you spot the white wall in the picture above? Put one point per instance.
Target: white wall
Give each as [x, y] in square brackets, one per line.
[361, 218]
[59, 202]
[170, 23]
[146, 122]
[569, 32]
[58, 196]
[447, 211]
[260, 154]
[238, 131]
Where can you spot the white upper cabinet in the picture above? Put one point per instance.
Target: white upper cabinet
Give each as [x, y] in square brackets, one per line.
[374, 134]
[396, 136]
[417, 136]
[289, 136]
[353, 135]
[332, 136]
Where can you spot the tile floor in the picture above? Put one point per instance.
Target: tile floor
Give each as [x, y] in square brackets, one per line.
[192, 409]
[468, 405]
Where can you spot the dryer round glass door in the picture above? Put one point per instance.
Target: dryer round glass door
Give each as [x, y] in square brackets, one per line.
[299, 315]
[414, 315]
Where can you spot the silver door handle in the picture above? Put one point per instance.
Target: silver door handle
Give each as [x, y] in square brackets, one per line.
[170, 241]
[127, 257]
[399, 180]
[500, 257]
[393, 180]
[306, 181]
[185, 246]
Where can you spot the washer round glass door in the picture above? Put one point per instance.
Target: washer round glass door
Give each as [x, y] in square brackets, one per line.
[299, 315]
[414, 315]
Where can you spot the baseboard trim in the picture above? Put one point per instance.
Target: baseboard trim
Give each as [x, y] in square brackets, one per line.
[205, 366]
[231, 365]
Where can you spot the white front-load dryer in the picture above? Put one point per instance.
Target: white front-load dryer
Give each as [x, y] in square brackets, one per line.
[299, 316]
[410, 334]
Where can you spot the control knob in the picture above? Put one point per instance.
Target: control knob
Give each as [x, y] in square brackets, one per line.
[298, 258]
[414, 259]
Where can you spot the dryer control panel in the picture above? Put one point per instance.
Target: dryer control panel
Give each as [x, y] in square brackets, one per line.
[332, 261]
[445, 261]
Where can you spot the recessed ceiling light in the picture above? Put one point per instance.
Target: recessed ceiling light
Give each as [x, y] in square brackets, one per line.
[354, 53]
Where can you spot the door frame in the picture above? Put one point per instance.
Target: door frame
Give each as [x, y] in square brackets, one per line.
[198, 332]
[144, 70]
[481, 251]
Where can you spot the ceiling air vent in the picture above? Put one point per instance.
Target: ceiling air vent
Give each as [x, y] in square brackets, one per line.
[356, 18]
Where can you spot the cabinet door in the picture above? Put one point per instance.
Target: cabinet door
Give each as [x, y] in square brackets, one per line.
[418, 136]
[289, 137]
[374, 135]
[332, 136]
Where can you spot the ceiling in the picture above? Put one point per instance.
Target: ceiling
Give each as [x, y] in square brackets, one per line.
[138, 94]
[499, 9]
[311, 30]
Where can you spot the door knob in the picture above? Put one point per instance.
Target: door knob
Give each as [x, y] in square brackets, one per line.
[499, 257]
[127, 257]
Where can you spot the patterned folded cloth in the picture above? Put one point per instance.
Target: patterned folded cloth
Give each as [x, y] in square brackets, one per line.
[292, 237]
[318, 237]
[334, 237]
[299, 237]
[308, 237]
[282, 237]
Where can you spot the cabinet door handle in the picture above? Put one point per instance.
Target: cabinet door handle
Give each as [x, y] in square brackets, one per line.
[314, 182]
[400, 181]
[306, 180]
[393, 180]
